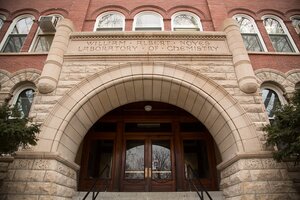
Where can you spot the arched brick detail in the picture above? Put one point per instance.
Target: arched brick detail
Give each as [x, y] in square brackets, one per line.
[84, 104]
[293, 76]
[9, 81]
[271, 75]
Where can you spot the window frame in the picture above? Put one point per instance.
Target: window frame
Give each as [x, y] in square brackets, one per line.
[257, 32]
[187, 28]
[19, 90]
[3, 18]
[109, 29]
[285, 30]
[278, 91]
[146, 28]
[39, 32]
[10, 29]
[297, 17]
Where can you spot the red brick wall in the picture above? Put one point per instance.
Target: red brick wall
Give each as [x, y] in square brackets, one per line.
[211, 12]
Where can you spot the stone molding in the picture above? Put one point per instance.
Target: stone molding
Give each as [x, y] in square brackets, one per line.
[52, 67]
[260, 154]
[46, 155]
[241, 61]
[79, 108]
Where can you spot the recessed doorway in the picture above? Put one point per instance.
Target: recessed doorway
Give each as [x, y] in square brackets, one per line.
[147, 146]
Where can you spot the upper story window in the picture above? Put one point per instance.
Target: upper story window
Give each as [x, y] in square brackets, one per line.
[16, 34]
[2, 19]
[296, 23]
[148, 21]
[110, 21]
[272, 97]
[279, 35]
[251, 36]
[186, 21]
[23, 99]
[45, 34]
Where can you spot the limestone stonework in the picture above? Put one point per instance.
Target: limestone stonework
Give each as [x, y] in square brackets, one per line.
[87, 74]
[39, 176]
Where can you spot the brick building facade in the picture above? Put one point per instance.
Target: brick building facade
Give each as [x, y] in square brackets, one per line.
[106, 79]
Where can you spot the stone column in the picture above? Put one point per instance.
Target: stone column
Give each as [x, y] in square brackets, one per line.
[256, 177]
[243, 68]
[35, 175]
[52, 68]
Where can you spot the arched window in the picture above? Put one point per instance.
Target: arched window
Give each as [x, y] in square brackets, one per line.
[272, 97]
[23, 98]
[251, 36]
[279, 35]
[16, 34]
[44, 37]
[2, 19]
[296, 23]
[186, 21]
[297, 86]
[110, 21]
[148, 21]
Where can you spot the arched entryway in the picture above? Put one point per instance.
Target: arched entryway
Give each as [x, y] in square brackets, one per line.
[147, 146]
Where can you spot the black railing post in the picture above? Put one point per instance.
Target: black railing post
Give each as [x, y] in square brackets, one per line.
[190, 179]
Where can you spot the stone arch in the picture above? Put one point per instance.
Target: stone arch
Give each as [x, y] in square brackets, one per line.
[277, 77]
[10, 81]
[293, 76]
[84, 104]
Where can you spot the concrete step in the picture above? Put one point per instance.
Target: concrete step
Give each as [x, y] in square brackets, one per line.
[216, 195]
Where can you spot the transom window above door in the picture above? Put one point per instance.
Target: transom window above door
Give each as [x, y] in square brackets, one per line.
[186, 21]
[148, 21]
[110, 21]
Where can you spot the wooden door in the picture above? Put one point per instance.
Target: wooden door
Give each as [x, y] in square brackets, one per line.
[148, 164]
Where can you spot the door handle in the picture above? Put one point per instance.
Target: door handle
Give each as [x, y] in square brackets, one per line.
[148, 172]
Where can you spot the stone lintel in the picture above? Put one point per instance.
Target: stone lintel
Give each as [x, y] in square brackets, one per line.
[46, 155]
[261, 154]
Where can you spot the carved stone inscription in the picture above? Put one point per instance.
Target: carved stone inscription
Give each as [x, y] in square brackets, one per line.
[151, 46]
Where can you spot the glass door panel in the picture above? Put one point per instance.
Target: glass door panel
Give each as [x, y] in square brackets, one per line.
[100, 159]
[135, 159]
[195, 156]
[161, 160]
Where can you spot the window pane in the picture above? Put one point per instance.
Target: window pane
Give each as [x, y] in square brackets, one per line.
[161, 160]
[134, 165]
[185, 21]
[148, 20]
[252, 42]
[195, 156]
[14, 43]
[1, 22]
[281, 43]
[246, 25]
[23, 26]
[43, 43]
[111, 21]
[100, 158]
[24, 101]
[273, 26]
[271, 100]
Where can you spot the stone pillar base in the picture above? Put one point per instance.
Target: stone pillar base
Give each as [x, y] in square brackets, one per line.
[256, 176]
[40, 176]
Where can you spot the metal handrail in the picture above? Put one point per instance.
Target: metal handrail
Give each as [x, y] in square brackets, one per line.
[202, 189]
[95, 194]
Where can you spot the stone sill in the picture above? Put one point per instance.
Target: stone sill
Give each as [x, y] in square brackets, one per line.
[24, 54]
[274, 53]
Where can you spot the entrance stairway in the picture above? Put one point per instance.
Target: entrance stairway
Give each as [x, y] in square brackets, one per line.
[216, 195]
